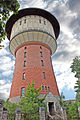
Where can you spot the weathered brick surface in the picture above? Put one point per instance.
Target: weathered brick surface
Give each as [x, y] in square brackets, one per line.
[33, 70]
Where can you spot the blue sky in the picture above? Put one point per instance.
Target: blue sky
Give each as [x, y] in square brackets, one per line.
[68, 46]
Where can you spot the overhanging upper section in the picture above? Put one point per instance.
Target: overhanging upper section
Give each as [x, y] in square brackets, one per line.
[32, 11]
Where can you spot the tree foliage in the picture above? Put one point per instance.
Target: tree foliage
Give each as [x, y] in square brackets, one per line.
[29, 104]
[6, 6]
[72, 110]
[11, 109]
[76, 67]
[61, 97]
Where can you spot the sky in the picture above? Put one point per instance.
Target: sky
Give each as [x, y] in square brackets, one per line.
[67, 13]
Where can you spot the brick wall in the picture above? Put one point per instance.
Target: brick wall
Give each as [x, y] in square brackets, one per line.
[33, 70]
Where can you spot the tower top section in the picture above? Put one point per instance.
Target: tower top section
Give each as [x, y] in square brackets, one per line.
[32, 11]
[32, 25]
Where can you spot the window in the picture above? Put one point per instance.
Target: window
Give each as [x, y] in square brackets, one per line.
[24, 20]
[25, 48]
[44, 22]
[24, 63]
[40, 47]
[41, 54]
[39, 20]
[24, 76]
[48, 88]
[22, 91]
[42, 63]
[42, 88]
[45, 88]
[24, 54]
[20, 22]
[44, 75]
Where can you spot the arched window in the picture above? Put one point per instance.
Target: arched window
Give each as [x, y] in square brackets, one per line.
[24, 76]
[23, 91]
[24, 54]
[44, 75]
[20, 22]
[45, 88]
[42, 63]
[24, 20]
[24, 63]
[42, 88]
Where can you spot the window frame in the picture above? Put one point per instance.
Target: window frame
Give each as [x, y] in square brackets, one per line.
[22, 91]
[42, 63]
[39, 20]
[20, 22]
[42, 88]
[44, 75]
[45, 88]
[24, 54]
[25, 21]
[24, 63]
[41, 54]
[24, 76]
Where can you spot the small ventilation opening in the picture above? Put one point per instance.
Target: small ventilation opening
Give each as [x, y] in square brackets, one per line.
[51, 108]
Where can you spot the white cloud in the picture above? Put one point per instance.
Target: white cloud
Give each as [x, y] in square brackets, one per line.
[5, 90]
[64, 76]
[6, 64]
[7, 73]
[2, 82]
[33, 3]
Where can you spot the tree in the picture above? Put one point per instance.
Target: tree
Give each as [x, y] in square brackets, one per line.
[76, 69]
[6, 6]
[77, 86]
[11, 109]
[61, 97]
[30, 103]
[72, 111]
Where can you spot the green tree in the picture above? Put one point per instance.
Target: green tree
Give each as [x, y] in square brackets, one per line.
[6, 6]
[76, 69]
[31, 103]
[72, 111]
[11, 109]
[77, 86]
[61, 97]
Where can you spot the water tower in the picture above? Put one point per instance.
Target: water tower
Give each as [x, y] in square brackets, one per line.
[32, 34]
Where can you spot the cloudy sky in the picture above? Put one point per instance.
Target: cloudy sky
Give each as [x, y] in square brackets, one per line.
[68, 14]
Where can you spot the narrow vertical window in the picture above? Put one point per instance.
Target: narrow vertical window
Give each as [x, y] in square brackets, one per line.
[48, 88]
[39, 20]
[40, 47]
[44, 22]
[24, 20]
[42, 63]
[20, 22]
[22, 91]
[45, 88]
[44, 75]
[24, 63]
[25, 48]
[24, 54]
[42, 88]
[24, 76]
[41, 54]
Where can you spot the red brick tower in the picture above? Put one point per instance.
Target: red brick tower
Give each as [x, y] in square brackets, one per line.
[32, 34]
